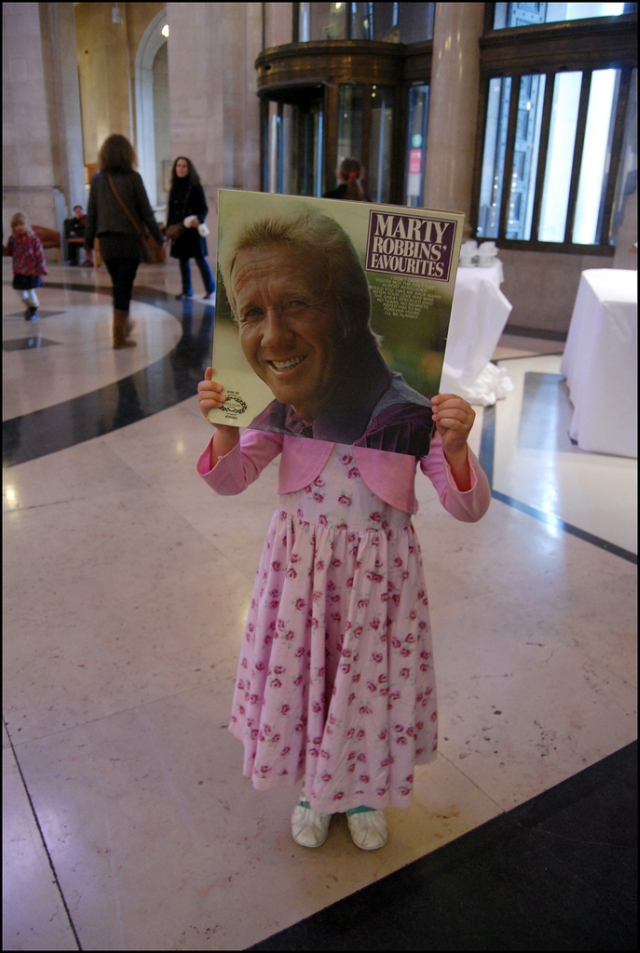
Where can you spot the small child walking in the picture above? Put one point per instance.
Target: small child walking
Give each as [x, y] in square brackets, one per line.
[29, 263]
[335, 682]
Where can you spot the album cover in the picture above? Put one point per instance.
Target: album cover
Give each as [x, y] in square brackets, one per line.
[332, 317]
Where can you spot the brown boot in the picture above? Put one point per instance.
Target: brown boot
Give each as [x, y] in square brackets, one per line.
[121, 329]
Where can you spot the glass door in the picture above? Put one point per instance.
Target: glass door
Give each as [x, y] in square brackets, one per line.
[293, 140]
[380, 143]
[416, 145]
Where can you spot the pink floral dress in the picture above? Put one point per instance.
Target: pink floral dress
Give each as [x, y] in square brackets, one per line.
[335, 678]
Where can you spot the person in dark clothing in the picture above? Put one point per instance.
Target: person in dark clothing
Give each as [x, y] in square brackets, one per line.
[118, 212]
[187, 210]
[74, 228]
[349, 186]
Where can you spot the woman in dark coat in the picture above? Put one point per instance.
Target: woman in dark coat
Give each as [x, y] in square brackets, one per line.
[118, 212]
[188, 208]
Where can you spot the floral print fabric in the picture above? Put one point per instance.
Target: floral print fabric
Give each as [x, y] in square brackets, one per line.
[28, 255]
[335, 678]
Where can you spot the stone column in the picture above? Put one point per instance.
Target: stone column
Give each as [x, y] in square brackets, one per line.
[29, 184]
[195, 88]
[213, 106]
[57, 21]
[278, 24]
[251, 119]
[453, 111]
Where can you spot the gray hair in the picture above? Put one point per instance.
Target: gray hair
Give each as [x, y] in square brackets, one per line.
[320, 240]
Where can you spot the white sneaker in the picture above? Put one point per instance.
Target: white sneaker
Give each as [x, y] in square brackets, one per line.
[368, 829]
[309, 829]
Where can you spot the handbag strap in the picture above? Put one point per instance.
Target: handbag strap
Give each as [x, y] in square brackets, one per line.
[186, 202]
[184, 206]
[124, 207]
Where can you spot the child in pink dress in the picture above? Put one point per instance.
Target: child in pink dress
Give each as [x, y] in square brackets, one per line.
[335, 680]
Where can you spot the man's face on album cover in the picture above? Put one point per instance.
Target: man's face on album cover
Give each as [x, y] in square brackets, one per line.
[289, 332]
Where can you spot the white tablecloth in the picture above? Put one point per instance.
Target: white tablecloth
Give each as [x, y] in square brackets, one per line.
[479, 314]
[601, 363]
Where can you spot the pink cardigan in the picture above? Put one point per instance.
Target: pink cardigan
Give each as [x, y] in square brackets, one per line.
[390, 476]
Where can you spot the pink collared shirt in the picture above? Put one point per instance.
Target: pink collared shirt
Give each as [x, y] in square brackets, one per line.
[391, 476]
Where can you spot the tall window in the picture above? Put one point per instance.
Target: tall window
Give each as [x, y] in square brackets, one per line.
[523, 14]
[557, 155]
[385, 22]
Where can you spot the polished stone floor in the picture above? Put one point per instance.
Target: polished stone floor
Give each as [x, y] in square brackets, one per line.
[127, 823]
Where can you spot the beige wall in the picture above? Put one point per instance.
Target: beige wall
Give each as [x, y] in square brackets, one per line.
[104, 69]
[106, 54]
[38, 136]
[542, 286]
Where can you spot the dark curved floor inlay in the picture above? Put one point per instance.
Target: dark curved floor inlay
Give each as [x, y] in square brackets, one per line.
[558, 872]
[162, 384]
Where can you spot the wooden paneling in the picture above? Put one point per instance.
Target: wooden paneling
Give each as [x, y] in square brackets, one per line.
[578, 44]
[328, 61]
[417, 63]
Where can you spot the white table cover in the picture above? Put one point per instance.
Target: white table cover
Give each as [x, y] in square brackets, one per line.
[478, 317]
[600, 362]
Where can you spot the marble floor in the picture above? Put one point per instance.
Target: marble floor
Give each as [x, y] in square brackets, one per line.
[127, 823]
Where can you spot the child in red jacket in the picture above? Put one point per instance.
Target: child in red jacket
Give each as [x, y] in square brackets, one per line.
[29, 263]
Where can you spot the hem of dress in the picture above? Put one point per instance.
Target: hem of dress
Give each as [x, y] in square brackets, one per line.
[390, 799]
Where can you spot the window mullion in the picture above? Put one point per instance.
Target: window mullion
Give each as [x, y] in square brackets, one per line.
[581, 126]
[295, 22]
[508, 157]
[616, 152]
[280, 149]
[542, 153]
[366, 128]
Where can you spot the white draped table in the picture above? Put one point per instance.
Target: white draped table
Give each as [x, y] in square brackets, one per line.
[600, 362]
[478, 317]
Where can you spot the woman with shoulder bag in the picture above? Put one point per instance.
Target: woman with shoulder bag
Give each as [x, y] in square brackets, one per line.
[187, 210]
[119, 215]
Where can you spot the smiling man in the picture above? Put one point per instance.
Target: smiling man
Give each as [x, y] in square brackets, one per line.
[301, 300]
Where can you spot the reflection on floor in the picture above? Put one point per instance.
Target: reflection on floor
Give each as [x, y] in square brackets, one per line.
[127, 822]
[535, 462]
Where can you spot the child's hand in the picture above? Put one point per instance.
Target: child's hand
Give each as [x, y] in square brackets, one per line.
[211, 397]
[454, 419]
[210, 394]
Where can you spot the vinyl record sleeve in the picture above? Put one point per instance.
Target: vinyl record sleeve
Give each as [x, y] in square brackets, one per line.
[409, 259]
